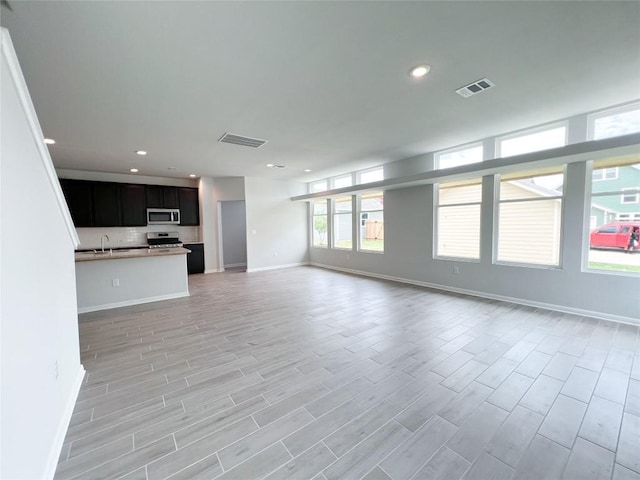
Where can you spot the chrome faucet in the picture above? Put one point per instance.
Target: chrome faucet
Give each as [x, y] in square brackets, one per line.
[102, 241]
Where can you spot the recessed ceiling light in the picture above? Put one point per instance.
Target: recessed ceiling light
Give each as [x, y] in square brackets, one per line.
[133, 170]
[141, 152]
[192, 175]
[270, 165]
[307, 170]
[49, 141]
[419, 71]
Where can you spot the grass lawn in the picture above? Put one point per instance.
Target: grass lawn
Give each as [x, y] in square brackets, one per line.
[614, 266]
[375, 245]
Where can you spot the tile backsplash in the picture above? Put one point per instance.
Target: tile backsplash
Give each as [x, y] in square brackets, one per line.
[130, 236]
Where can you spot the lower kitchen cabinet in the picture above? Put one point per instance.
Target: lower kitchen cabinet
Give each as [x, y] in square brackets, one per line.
[195, 259]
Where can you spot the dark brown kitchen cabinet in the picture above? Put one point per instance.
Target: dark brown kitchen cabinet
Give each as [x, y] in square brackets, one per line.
[109, 204]
[189, 206]
[159, 196]
[133, 204]
[195, 259]
[106, 204]
[79, 199]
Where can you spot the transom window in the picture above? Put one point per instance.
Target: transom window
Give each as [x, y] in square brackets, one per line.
[535, 140]
[459, 157]
[343, 181]
[373, 175]
[320, 186]
[615, 122]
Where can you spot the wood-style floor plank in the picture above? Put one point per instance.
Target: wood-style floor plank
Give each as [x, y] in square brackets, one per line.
[305, 373]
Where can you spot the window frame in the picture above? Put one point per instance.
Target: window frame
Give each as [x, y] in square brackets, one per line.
[469, 146]
[360, 173]
[318, 182]
[604, 174]
[333, 180]
[496, 237]
[636, 194]
[359, 217]
[532, 131]
[436, 227]
[334, 216]
[313, 222]
[592, 118]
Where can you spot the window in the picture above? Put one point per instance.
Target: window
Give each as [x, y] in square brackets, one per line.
[342, 223]
[341, 182]
[316, 187]
[616, 122]
[529, 218]
[320, 223]
[628, 217]
[605, 174]
[534, 141]
[373, 175]
[458, 220]
[372, 222]
[613, 204]
[455, 158]
[630, 195]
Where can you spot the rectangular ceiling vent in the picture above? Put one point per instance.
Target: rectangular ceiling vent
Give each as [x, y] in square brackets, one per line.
[240, 140]
[475, 87]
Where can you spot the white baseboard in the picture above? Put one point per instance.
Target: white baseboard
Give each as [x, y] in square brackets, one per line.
[474, 293]
[277, 267]
[214, 270]
[63, 426]
[233, 265]
[128, 303]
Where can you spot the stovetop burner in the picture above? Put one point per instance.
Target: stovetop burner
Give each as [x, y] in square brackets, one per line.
[163, 240]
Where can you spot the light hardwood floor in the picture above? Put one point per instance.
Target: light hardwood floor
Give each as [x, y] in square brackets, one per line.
[306, 373]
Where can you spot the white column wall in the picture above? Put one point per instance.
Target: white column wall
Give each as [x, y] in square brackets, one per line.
[40, 353]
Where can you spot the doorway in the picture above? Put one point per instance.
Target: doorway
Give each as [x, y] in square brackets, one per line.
[233, 226]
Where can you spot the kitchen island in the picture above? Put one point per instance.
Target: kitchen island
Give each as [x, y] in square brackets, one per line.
[120, 278]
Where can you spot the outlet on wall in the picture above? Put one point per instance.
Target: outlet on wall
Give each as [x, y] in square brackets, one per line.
[115, 282]
[456, 269]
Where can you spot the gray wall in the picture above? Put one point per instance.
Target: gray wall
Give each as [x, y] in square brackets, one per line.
[234, 233]
[409, 246]
[277, 232]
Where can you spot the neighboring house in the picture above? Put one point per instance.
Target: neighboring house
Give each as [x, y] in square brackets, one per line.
[529, 232]
[618, 207]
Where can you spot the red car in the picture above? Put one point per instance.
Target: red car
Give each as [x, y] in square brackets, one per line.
[612, 235]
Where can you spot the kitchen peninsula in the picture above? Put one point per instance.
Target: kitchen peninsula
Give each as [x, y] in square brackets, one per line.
[118, 278]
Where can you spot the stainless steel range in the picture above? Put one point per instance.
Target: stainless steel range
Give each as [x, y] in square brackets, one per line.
[163, 240]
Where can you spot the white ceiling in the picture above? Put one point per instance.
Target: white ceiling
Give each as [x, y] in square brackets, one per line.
[324, 82]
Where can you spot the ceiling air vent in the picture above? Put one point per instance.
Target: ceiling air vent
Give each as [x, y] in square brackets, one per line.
[240, 140]
[475, 87]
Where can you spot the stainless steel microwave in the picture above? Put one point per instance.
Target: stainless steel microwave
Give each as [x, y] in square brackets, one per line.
[163, 216]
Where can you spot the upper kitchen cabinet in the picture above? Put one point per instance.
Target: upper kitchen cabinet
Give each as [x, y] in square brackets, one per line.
[133, 203]
[106, 204]
[189, 207]
[162, 197]
[109, 204]
[80, 201]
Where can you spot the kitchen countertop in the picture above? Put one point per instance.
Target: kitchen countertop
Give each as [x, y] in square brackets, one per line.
[133, 253]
